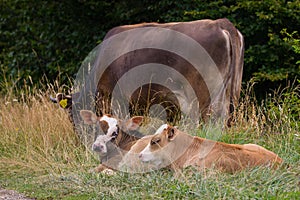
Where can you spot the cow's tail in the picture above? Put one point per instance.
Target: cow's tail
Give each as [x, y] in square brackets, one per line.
[235, 66]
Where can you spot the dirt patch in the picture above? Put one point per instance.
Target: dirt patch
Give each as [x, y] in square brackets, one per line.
[11, 195]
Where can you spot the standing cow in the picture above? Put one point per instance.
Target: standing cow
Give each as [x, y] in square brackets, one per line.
[191, 67]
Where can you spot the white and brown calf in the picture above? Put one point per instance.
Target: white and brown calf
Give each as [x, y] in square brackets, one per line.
[119, 136]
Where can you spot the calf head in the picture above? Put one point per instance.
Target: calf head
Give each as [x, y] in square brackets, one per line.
[112, 128]
[159, 149]
[99, 144]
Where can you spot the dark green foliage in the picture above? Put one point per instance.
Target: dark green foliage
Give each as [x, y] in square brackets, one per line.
[268, 58]
[52, 38]
[47, 37]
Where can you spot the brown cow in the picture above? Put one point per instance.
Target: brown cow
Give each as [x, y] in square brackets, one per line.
[178, 150]
[205, 60]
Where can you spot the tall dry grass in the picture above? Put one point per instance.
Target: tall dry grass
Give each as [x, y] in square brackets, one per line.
[37, 137]
[278, 113]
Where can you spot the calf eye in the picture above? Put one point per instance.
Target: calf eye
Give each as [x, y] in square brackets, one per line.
[114, 134]
[156, 141]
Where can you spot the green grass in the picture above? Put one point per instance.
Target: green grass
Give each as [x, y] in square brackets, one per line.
[42, 157]
[258, 183]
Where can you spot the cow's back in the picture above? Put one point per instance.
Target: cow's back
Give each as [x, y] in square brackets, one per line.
[226, 157]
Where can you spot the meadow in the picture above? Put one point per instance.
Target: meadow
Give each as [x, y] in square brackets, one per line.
[42, 157]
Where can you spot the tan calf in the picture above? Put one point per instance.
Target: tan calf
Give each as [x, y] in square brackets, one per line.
[176, 149]
[131, 161]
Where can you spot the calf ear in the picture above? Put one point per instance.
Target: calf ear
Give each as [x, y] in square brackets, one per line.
[134, 123]
[88, 117]
[171, 133]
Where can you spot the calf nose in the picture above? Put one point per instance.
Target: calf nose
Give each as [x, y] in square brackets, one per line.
[140, 156]
[98, 148]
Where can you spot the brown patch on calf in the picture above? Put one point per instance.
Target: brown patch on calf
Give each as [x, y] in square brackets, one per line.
[157, 142]
[104, 126]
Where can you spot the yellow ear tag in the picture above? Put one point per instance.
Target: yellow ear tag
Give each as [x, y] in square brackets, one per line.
[63, 103]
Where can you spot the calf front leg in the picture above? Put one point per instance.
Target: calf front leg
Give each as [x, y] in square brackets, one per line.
[100, 168]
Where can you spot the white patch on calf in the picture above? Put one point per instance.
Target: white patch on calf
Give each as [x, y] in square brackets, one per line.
[161, 129]
[146, 155]
[100, 143]
[112, 124]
